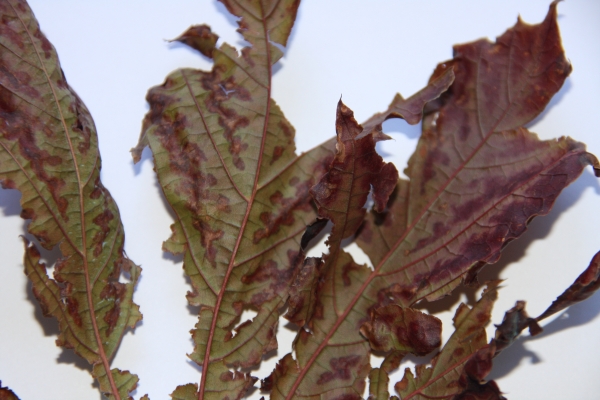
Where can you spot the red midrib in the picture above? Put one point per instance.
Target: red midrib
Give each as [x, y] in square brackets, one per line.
[217, 307]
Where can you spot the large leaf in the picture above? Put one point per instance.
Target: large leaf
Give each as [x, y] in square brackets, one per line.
[49, 151]
[475, 181]
[225, 158]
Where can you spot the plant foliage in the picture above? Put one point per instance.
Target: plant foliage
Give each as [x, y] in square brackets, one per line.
[247, 208]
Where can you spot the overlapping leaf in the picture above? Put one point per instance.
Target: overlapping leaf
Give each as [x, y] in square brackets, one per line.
[475, 181]
[441, 379]
[49, 151]
[225, 158]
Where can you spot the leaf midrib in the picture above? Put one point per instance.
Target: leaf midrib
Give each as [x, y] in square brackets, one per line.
[217, 306]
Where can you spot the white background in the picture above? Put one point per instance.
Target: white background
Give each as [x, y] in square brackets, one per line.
[113, 51]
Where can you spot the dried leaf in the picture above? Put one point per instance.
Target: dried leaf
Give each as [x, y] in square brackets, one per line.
[442, 378]
[514, 322]
[340, 196]
[49, 151]
[476, 179]
[584, 286]
[474, 372]
[225, 158]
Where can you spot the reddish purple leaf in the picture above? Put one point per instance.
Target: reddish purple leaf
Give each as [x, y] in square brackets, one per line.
[476, 179]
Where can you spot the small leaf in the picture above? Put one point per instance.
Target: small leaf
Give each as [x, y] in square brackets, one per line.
[584, 286]
[514, 322]
[49, 152]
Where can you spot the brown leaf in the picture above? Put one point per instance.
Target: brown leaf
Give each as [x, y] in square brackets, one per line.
[584, 286]
[49, 152]
[514, 322]
[201, 38]
[476, 179]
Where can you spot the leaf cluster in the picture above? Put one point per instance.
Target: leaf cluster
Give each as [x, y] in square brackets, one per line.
[247, 208]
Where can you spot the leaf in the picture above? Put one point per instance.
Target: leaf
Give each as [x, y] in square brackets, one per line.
[476, 179]
[584, 286]
[225, 159]
[49, 152]
[514, 322]
[441, 379]
[340, 196]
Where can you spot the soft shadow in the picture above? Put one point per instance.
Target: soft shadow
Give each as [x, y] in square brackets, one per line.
[540, 227]
[10, 202]
[576, 315]
[50, 327]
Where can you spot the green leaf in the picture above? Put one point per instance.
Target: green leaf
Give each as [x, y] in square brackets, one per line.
[49, 152]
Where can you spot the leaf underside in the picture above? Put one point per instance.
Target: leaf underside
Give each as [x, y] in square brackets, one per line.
[476, 179]
[49, 152]
[225, 159]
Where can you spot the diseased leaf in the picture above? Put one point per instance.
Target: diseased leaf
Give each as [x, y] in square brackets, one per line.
[584, 286]
[340, 196]
[225, 158]
[476, 179]
[441, 379]
[49, 152]
[403, 329]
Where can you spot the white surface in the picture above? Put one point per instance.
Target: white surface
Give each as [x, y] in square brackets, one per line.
[113, 51]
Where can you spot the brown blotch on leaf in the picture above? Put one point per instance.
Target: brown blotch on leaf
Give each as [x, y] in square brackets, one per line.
[102, 220]
[201, 38]
[73, 310]
[208, 236]
[340, 369]
[283, 213]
